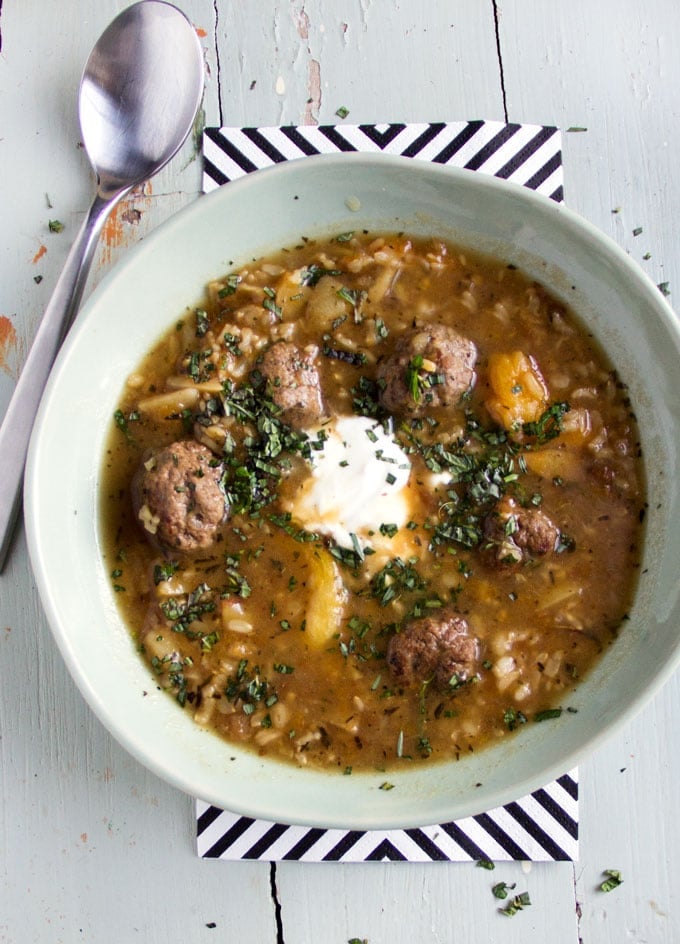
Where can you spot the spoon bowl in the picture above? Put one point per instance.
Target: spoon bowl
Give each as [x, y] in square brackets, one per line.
[139, 96]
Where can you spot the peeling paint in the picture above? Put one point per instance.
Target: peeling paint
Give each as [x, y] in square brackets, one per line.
[127, 213]
[303, 25]
[313, 105]
[131, 215]
[8, 345]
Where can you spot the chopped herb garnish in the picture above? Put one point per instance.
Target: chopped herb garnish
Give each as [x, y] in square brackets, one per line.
[164, 571]
[612, 881]
[236, 584]
[311, 275]
[357, 548]
[424, 746]
[55, 226]
[270, 304]
[549, 425]
[342, 112]
[249, 688]
[421, 375]
[122, 422]
[356, 358]
[501, 889]
[512, 717]
[251, 484]
[394, 579]
[230, 285]
[182, 611]
[547, 714]
[486, 864]
[355, 297]
[518, 903]
[202, 323]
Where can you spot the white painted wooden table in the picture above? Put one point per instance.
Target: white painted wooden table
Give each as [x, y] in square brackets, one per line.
[94, 847]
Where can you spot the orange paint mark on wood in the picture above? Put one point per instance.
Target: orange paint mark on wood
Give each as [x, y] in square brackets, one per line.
[11, 348]
[112, 234]
[116, 231]
[39, 254]
[7, 332]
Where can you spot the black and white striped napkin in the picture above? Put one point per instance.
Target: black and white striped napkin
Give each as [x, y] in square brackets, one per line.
[540, 826]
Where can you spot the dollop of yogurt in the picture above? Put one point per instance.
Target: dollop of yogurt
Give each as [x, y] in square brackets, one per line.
[357, 482]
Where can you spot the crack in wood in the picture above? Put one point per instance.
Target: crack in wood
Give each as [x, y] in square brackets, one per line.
[496, 23]
[217, 61]
[277, 903]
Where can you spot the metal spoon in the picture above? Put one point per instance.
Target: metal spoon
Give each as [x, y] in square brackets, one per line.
[139, 96]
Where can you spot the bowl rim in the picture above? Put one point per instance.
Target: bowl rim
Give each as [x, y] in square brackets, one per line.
[390, 816]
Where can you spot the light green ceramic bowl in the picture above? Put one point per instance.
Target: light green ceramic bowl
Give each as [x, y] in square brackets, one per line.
[146, 293]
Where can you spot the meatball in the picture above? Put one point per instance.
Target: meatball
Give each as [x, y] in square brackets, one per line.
[517, 534]
[432, 366]
[438, 648]
[177, 496]
[293, 382]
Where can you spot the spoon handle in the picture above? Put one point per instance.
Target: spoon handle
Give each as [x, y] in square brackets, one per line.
[62, 308]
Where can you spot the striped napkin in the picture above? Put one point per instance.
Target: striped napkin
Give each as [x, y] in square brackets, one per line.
[538, 827]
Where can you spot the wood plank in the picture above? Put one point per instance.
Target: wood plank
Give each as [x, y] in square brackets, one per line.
[298, 62]
[434, 902]
[611, 68]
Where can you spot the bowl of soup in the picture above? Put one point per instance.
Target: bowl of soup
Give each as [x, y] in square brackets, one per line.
[349, 496]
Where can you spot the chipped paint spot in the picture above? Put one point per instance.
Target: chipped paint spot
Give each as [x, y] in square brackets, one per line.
[303, 25]
[132, 215]
[39, 254]
[313, 105]
[127, 213]
[8, 344]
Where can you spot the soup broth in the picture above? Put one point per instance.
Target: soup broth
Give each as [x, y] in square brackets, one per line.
[376, 501]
